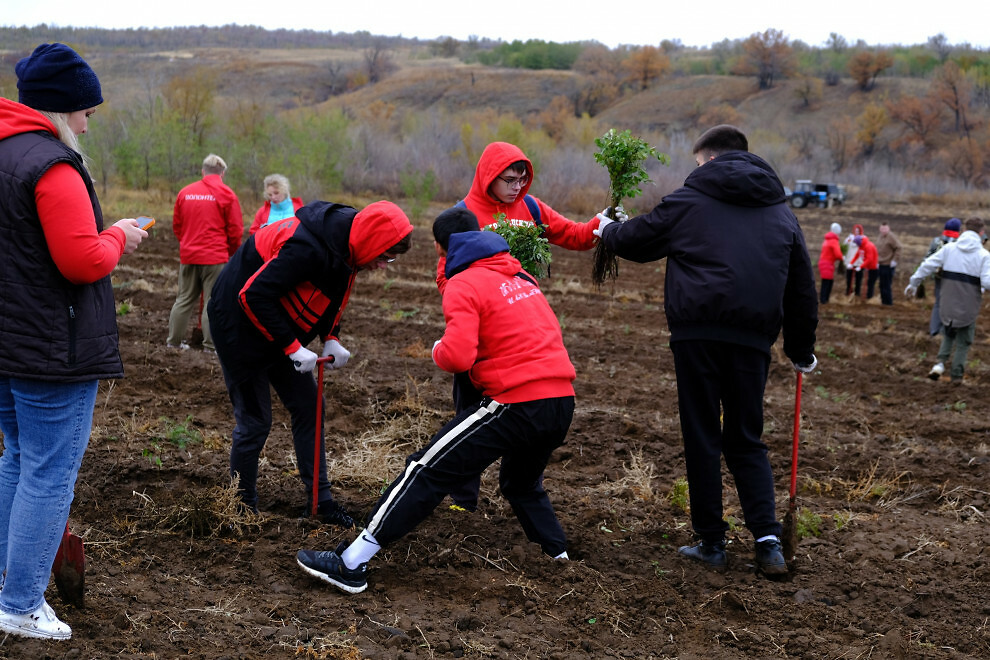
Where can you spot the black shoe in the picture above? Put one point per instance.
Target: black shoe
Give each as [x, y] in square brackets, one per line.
[329, 567]
[770, 557]
[329, 512]
[712, 554]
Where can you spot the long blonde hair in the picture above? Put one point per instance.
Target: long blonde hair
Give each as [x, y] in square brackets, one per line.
[65, 134]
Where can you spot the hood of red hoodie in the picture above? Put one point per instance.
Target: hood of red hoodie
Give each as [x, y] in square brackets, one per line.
[17, 118]
[494, 159]
[375, 229]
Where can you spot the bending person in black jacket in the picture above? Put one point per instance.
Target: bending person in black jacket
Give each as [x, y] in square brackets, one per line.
[737, 271]
[286, 286]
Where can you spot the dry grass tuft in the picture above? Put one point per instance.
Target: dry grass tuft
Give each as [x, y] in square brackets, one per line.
[202, 513]
[635, 485]
[373, 458]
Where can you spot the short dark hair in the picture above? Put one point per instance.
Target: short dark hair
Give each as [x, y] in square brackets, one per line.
[974, 224]
[721, 139]
[454, 220]
[402, 246]
[518, 166]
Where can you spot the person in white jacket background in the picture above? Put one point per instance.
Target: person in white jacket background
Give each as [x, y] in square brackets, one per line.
[965, 267]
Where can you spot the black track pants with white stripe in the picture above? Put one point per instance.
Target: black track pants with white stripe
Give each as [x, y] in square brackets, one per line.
[523, 435]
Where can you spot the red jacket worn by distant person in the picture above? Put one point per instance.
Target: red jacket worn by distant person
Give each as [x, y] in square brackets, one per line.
[831, 252]
[871, 260]
[500, 328]
[207, 221]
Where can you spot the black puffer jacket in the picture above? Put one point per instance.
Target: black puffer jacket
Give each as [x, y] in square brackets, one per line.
[50, 329]
[738, 268]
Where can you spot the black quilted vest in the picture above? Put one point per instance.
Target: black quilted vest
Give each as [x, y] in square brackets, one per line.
[50, 329]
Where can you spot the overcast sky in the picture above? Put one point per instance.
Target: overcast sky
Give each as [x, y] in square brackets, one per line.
[611, 22]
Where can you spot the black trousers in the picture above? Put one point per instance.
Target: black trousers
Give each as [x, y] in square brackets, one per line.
[252, 402]
[886, 285]
[826, 291]
[713, 379]
[465, 395]
[851, 274]
[523, 435]
[871, 282]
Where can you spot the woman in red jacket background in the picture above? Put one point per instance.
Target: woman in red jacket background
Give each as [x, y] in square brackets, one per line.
[279, 203]
[830, 256]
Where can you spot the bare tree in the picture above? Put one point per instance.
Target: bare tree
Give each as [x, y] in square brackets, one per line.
[866, 66]
[940, 46]
[920, 116]
[769, 56]
[646, 65]
[954, 89]
[378, 60]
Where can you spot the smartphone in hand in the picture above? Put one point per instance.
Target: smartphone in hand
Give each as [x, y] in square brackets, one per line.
[145, 222]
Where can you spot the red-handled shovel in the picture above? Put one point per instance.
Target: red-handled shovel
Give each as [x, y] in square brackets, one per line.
[790, 534]
[69, 568]
[318, 444]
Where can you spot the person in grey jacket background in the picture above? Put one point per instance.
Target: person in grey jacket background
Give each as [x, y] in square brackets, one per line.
[965, 268]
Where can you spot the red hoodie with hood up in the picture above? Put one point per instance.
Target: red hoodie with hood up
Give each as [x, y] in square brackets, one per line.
[558, 229]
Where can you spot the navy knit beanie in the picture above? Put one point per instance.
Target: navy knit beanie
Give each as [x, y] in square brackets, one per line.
[954, 224]
[56, 79]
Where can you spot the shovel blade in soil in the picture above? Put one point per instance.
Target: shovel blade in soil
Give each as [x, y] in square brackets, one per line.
[69, 569]
[789, 535]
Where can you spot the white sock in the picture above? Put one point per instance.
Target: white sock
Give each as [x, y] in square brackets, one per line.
[768, 537]
[562, 555]
[363, 548]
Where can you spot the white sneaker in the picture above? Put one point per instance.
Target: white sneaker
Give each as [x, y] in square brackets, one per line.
[937, 371]
[42, 623]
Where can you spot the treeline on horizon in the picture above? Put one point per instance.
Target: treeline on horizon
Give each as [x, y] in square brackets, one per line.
[721, 57]
[897, 143]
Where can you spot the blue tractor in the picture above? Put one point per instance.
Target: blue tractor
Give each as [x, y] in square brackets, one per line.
[807, 193]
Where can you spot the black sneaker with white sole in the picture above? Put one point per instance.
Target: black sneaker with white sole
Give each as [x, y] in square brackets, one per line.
[329, 567]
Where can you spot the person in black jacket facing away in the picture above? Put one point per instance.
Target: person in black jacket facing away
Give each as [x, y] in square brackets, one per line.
[738, 271]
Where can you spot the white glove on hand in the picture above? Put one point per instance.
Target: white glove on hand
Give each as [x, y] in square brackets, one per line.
[304, 360]
[910, 290]
[893, 264]
[806, 368]
[603, 222]
[340, 354]
[619, 213]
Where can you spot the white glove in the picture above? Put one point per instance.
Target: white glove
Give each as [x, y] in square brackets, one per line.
[910, 290]
[340, 354]
[603, 222]
[893, 264]
[807, 368]
[304, 360]
[619, 213]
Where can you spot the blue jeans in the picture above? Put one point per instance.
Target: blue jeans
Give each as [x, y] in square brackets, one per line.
[46, 427]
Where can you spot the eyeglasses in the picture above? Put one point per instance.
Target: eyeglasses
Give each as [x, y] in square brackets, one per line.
[385, 258]
[512, 182]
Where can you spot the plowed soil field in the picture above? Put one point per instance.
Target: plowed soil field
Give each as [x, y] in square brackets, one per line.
[893, 492]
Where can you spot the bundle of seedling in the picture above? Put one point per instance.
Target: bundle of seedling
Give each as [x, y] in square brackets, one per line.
[526, 243]
[624, 156]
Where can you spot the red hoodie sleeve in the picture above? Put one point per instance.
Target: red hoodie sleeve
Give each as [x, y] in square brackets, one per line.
[458, 349]
[82, 255]
[566, 233]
